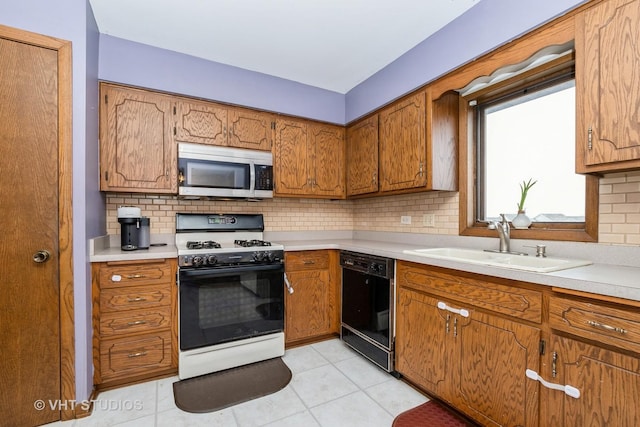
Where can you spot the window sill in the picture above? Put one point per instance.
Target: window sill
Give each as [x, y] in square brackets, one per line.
[537, 232]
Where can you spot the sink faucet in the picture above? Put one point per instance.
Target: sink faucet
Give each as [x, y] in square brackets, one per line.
[504, 233]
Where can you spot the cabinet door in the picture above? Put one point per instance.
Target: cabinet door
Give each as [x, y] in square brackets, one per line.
[609, 385]
[403, 144]
[291, 159]
[250, 129]
[422, 353]
[308, 308]
[607, 84]
[137, 150]
[362, 157]
[328, 160]
[492, 356]
[201, 122]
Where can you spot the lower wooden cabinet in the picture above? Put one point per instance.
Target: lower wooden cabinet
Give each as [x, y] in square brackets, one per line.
[134, 321]
[312, 310]
[472, 358]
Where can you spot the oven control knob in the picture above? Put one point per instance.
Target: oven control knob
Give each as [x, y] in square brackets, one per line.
[258, 256]
[270, 256]
[197, 261]
[211, 260]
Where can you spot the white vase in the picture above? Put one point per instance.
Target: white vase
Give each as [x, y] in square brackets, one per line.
[521, 221]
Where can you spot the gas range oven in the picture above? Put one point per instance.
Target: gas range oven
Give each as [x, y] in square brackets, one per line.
[231, 293]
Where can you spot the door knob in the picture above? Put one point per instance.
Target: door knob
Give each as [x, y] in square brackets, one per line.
[41, 256]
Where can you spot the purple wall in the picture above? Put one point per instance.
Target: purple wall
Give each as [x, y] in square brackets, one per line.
[123, 61]
[487, 25]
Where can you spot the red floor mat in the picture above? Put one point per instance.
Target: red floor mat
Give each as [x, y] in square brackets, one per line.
[430, 414]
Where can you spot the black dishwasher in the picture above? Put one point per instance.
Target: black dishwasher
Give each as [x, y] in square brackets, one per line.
[367, 306]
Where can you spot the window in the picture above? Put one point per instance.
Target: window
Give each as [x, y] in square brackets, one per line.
[521, 128]
[527, 135]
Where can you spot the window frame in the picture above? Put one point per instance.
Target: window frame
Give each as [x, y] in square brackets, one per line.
[586, 231]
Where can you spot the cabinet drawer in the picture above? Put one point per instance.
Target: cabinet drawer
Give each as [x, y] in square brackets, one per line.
[134, 275]
[608, 325]
[127, 356]
[487, 293]
[118, 299]
[306, 260]
[126, 322]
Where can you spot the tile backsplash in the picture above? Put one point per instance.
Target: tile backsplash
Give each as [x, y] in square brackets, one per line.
[619, 211]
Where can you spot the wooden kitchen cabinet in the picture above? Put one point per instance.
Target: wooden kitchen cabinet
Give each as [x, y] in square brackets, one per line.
[599, 358]
[205, 122]
[469, 354]
[607, 89]
[137, 150]
[362, 157]
[312, 310]
[134, 321]
[309, 159]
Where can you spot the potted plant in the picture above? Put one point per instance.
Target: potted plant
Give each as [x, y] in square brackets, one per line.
[522, 220]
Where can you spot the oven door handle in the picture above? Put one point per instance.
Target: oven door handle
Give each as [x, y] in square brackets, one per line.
[227, 270]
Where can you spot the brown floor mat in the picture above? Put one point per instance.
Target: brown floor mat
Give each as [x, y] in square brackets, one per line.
[430, 414]
[222, 389]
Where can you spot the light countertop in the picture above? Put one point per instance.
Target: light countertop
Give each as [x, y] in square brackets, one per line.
[622, 281]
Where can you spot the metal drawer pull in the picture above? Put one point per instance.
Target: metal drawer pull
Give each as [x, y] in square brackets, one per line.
[308, 262]
[137, 322]
[136, 276]
[136, 299]
[286, 282]
[462, 312]
[606, 327]
[132, 355]
[567, 389]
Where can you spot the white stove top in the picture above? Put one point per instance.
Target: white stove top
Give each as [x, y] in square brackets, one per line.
[225, 240]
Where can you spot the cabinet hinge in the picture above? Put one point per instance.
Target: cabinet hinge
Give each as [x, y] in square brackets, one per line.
[174, 110]
[106, 176]
[543, 347]
[174, 131]
[273, 125]
[106, 99]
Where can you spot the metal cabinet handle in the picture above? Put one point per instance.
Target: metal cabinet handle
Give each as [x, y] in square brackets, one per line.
[606, 327]
[308, 262]
[554, 364]
[41, 256]
[567, 389]
[137, 322]
[140, 354]
[286, 282]
[446, 325]
[136, 276]
[590, 138]
[136, 299]
[455, 327]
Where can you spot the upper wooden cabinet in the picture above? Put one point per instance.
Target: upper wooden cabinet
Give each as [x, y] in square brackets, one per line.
[137, 151]
[209, 123]
[409, 146]
[362, 157]
[309, 159]
[608, 86]
[403, 144]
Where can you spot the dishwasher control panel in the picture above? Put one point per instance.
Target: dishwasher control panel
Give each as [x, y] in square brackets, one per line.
[370, 264]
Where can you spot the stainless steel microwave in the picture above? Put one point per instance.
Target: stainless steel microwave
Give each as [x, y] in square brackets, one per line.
[224, 172]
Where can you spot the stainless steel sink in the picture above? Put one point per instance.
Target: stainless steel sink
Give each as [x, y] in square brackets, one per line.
[497, 259]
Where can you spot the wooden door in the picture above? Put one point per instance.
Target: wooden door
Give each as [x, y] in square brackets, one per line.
[137, 149]
[291, 158]
[362, 157]
[422, 330]
[403, 144]
[609, 385]
[492, 356]
[607, 83]
[328, 158]
[308, 308]
[201, 122]
[250, 129]
[30, 335]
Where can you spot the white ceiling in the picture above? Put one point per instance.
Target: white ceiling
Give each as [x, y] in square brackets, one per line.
[330, 44]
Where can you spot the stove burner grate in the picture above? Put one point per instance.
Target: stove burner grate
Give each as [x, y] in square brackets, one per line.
[208, 244]
[249, 243]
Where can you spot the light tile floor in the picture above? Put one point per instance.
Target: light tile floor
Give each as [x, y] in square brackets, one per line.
[332, 386]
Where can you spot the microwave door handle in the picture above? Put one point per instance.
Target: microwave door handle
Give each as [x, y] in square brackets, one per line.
[252, 177]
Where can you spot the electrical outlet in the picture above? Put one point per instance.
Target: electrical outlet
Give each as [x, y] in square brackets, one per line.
[405, 219]
[429, 220]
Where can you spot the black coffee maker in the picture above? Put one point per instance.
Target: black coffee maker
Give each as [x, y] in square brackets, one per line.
[129, 219]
